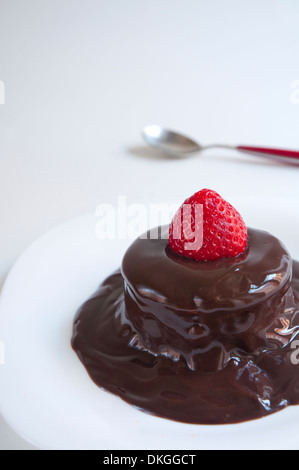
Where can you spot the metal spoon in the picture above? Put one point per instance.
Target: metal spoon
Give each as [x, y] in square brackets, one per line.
[179, 145]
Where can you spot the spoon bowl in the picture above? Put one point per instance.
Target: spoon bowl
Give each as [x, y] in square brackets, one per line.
[169, 141]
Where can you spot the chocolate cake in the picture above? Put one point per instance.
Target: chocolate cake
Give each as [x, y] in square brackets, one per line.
[203, 342]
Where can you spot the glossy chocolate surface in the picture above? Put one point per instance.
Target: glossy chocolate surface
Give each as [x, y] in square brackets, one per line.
[197, 342]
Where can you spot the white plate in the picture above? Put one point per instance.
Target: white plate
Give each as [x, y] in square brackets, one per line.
[46, 394]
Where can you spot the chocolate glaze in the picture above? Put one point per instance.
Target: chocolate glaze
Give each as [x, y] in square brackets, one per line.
[197, 342]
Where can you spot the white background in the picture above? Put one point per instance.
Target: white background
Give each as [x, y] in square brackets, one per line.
[83, 77]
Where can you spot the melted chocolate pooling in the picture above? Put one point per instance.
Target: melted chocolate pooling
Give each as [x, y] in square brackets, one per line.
[197, 342]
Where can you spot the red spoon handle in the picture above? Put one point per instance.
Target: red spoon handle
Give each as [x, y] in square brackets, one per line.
[270, 152]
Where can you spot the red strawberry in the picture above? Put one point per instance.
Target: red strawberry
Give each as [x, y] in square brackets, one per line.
[206, 227]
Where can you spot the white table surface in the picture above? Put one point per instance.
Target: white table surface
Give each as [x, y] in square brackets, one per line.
[83, 77]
